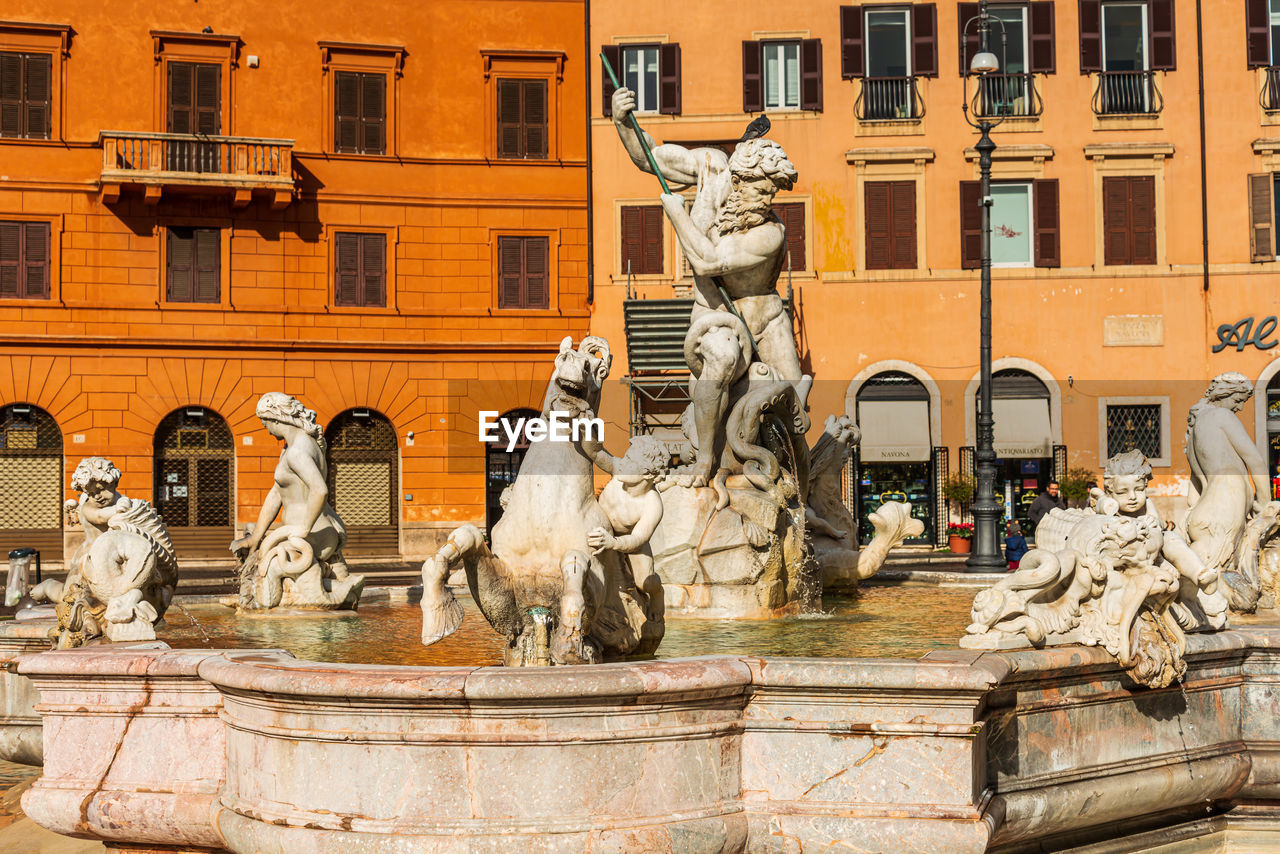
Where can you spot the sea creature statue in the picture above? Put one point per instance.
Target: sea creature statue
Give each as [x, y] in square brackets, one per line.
[1231, 516]
[565, 579]
[299, 564]
[832, 528]
[121, 580]
[1110, 576]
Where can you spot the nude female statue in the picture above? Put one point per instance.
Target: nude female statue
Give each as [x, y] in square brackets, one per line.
[307, 547]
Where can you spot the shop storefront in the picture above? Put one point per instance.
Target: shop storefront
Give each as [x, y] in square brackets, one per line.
[895, 459]
[1023, 441]
[1273, 434]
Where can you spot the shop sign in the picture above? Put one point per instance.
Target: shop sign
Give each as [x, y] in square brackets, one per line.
[1242, 333]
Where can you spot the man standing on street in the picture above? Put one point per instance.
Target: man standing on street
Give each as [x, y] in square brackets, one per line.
[1045, 502]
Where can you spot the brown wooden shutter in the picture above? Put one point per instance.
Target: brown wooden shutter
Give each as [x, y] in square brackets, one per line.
[669, 75]
[1048, 240]
[182, 117]
[536, 272]
[613, 54]
[902, 222]
[346, 110]
[924, 40]
[1262, 246]
[811, 74]
[1044, 54]
[181, 262]
[852, 61]
[1163, 45]
[373, 270]
[879, 236]
[1142, 215]
[652, 235]
[792, 217]
[10, 94]
[534, 115]
[346, 274]
[35, 260]
[208, 265]
[373, 113]
[631, 239]
[1117, 240]
[38, 96]
[510, 272]
[1257, 24]
[964, 13]
[1090, 36]
[208, 115]
[970, 224]
[509, 110]
[10, 259]
[752, 78]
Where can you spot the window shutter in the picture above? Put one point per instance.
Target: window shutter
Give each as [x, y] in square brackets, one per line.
[207, 265]
[536, 273]
[1090, 36]
[1163, 46]
[613, 54]
[181, 264]
[373, 113]
[966, 12]
[879, 237]
[509, 109]
[752, 78]
[924, 40]
[35, 259]
[1115, 214]
[534, 113]
[970, 224]
[39, 68]
[1262, 228]
[373, 270]
[669, 73]
[10, 94]
[903, 224]
[1048, 242]
[181, 100]
[346, 109]
[792, 217]
[1257, 22]
[1044, 58]
[852, 64]
[811, 74]
[10, 259]
[510, 272]
[208, 117]
[632, 253]
[652, 236]
[346, 278]
[1142, 216]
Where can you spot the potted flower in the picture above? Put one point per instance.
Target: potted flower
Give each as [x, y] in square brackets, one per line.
[958, 536]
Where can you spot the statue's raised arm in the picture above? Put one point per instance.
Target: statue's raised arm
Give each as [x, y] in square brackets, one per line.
[678, 164]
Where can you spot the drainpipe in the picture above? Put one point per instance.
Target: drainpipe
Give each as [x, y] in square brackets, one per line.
[1204, 181]
[591, 244]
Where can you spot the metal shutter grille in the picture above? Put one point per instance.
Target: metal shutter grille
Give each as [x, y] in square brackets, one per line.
[194, 458]
[360, 492]
[30, 491]
[363, 479]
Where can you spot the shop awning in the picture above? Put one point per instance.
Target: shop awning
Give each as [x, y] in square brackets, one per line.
[1022, 428]
[894, 431]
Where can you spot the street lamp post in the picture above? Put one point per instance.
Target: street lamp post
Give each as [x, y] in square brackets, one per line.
[986, 555]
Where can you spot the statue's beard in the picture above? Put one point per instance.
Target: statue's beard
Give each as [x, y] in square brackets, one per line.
[741, 212]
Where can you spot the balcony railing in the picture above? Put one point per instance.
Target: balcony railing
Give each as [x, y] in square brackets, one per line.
[1127, 93]
[1270, 96]
[888, 98]
[237, 164]
[1008, 95]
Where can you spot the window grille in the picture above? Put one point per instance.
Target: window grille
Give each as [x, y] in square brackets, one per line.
[1134, 426]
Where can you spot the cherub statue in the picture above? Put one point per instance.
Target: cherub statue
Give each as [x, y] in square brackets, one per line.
[122, 579]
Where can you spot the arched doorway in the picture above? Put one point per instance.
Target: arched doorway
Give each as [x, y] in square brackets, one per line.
[364, 459]
[501, 466]
[895, 457]
[194, 466]
[30, 481]
[1023, 441]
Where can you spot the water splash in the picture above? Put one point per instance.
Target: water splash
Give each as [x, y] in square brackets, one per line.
[207, 639]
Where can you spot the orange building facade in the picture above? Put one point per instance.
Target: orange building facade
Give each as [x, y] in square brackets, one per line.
[1128, 248]
[381, 212]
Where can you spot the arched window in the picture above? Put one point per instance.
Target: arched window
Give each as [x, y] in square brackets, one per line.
[364, 459]
[30, 481]
[194, 468]
[895, 458]
[501, 466]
